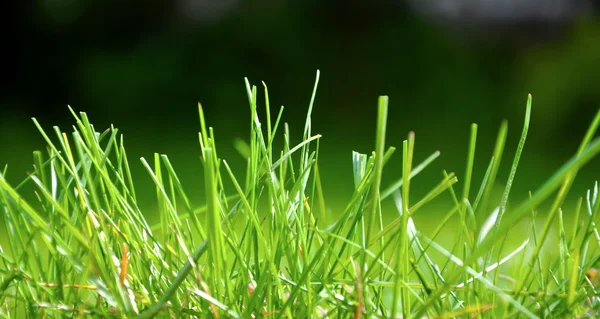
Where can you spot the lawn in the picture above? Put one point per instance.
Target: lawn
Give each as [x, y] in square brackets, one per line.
[265, 242]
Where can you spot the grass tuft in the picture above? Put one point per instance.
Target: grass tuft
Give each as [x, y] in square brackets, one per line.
[267, 246]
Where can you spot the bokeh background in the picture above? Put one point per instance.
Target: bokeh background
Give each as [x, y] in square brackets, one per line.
[144, 65]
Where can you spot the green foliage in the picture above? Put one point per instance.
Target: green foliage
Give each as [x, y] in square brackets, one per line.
[265, 244]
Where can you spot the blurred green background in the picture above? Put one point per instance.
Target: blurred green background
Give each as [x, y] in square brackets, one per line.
[143, 66]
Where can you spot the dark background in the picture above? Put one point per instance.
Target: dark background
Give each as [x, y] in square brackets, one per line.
[143, 66]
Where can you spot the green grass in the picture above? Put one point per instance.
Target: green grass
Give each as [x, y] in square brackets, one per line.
[266, 245]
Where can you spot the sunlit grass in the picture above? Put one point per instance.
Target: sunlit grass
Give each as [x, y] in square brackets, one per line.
[266, 245]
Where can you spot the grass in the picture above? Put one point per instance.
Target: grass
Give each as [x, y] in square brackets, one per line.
[265, 245]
